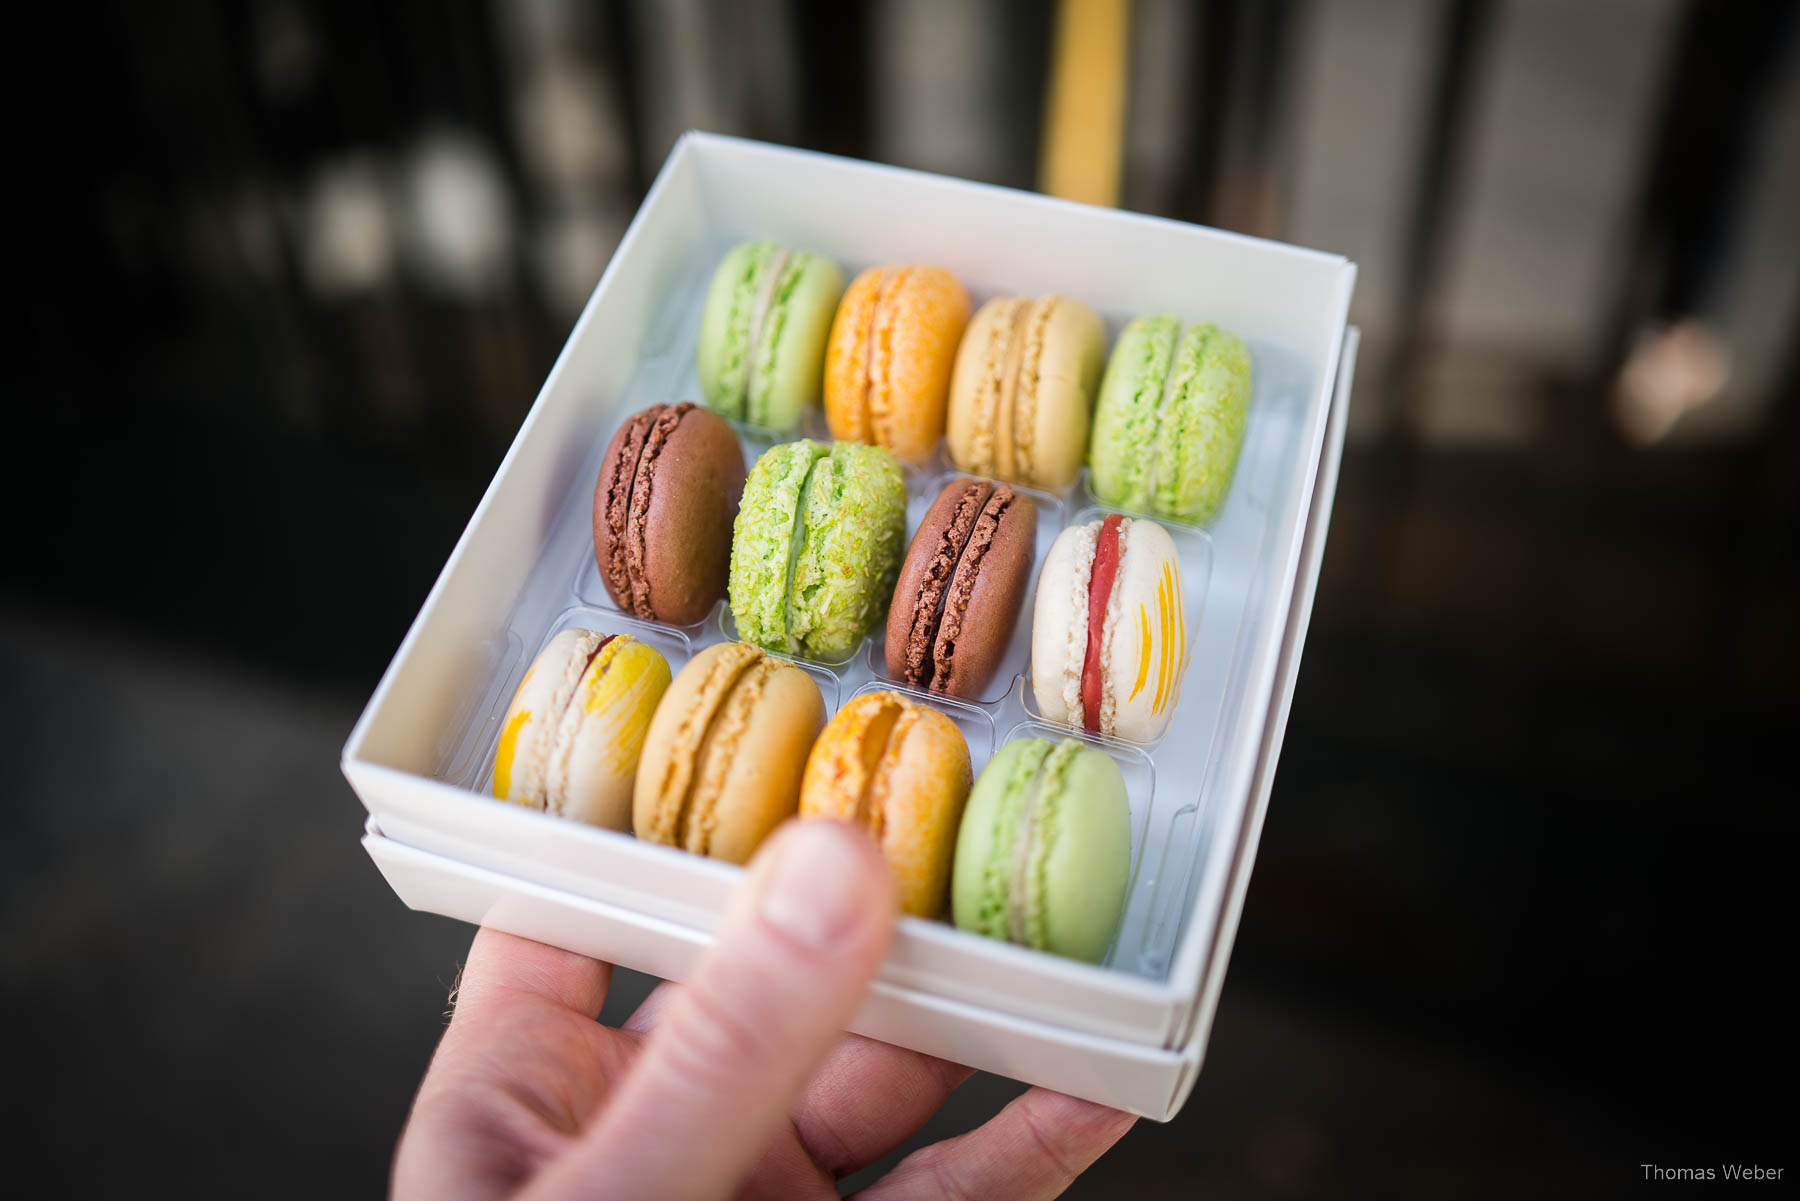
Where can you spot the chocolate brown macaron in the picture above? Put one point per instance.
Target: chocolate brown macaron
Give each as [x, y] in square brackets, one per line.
[961, 588]
[663, 508]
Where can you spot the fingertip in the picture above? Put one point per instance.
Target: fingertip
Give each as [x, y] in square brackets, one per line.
[824, 886]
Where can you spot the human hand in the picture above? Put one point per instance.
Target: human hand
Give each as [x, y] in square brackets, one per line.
[737, 1083]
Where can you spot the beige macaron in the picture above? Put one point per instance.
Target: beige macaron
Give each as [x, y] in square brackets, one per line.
[1023, 388]
[723, 758]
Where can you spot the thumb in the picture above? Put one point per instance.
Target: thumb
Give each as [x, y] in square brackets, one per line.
[798, 946]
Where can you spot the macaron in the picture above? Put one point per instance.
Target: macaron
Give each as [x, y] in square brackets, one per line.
[570, 741]
[1170, 422]
[1022, 389]
[887, 365]
[961, 588]
[1109, 638]
[900, 770]
[724, 754]
[1044, 853]
[763, 330]
[816, 545]
[663, 507]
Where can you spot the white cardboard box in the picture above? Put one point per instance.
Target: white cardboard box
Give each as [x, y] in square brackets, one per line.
[1128, 1033]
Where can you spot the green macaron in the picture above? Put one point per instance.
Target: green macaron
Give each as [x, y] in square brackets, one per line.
[1044, 852]
[763, 331]
[816, 547]
[1170, 421]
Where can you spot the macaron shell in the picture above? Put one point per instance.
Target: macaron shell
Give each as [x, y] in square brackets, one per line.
[1147, 644]
[853, 531]
[980, 629]
[894, 392]
[1059, 625]
[1069, 366]
[615, 700]
[1204, 424]
[752, 762]
[1086, 862]
[1126, 416]
[785, 376]
[922, 788]
[697, 481]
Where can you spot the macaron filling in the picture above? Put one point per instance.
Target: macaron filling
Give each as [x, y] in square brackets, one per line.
[1025, 387]
[1100, 589]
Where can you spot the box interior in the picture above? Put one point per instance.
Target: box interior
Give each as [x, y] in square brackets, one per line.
[525, 568]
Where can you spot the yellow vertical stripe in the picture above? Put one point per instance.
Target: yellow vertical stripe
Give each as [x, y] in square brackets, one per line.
[1143, 652]
[1084, 127]
[1162, 644]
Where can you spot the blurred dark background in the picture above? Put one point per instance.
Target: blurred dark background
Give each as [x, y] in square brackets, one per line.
[289, 274]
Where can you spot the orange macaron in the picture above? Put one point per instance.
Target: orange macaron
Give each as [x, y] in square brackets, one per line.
[888, 361]
[901, 771]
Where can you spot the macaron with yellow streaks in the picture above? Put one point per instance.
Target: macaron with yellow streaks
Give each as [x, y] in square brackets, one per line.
[1109, 633]
[724, 754]
[901, 771]
[570, 741]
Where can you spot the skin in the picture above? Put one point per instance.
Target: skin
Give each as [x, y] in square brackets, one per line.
[529, 1096]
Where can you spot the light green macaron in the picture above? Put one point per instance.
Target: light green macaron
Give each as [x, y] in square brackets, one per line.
[1044, 852]
[1170, 421]
[762, 334]
[816, 547]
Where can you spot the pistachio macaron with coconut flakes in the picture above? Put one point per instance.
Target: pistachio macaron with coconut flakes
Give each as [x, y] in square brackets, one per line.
[1022, 390]
[816, 546]
[1109, 632]
[763, 331]
[570, 741]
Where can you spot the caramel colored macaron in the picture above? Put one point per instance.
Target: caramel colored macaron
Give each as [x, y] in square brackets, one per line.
[663, 506]
[961, 588]
[1023, 388]
[888, 361]
[901, 771]
[724, 754]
